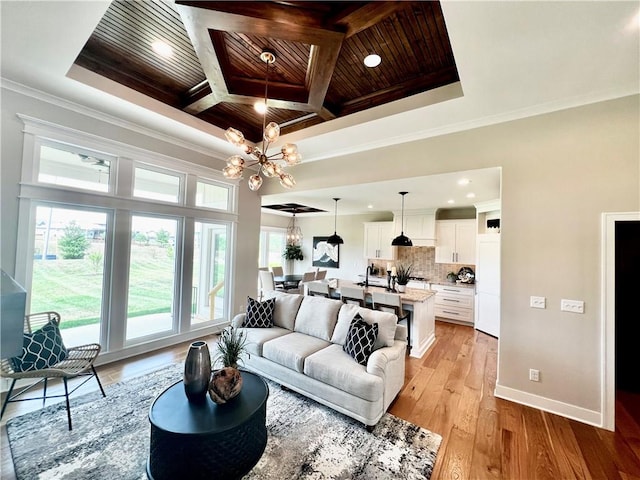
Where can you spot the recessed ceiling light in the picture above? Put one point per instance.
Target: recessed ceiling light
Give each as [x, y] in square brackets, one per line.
[162, 48]
[372, 60]
[451, 201]
[369, 206]
[471, 195]
[464, 181]
[260, 107]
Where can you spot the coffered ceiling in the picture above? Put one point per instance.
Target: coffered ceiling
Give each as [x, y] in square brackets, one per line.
[212, 68]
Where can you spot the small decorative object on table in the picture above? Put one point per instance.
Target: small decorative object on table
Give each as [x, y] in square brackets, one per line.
[403, 273]
[197, 371]
[452, 277]
[226, 382]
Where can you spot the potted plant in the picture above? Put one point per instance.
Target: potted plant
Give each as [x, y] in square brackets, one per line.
[293, 252]
[452, 277]
[226, 382]
[402, 276]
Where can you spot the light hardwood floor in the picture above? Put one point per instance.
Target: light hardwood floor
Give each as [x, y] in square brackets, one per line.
[450, 392]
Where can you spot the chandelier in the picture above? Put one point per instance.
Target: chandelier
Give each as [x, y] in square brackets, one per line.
[269, 165]
[294, 234]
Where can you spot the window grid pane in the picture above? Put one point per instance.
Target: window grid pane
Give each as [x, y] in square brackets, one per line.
[156, 185]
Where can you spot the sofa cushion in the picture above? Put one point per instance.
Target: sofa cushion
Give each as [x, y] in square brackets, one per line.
[287, 305]
[259, 314]
[291, 350]
[40, 349]
[335, 367]
[317, 316]
[256, 338]
[360, 340]
[386, 324]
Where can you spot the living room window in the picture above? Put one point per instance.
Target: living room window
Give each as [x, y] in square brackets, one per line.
[129, 246]
[272, 242]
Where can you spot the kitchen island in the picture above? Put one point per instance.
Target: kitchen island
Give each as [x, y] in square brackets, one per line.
[417, 301]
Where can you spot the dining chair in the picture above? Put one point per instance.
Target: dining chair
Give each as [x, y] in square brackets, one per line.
[278, 272]
[302, 285]
[78, 362]
[353, 295]
[266, 281]
[321, 274]
[392, 302]
[318, 289]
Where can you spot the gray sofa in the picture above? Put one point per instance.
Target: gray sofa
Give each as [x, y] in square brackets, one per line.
[303, 351]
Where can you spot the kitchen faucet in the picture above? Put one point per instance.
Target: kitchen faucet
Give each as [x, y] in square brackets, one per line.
[366, 277]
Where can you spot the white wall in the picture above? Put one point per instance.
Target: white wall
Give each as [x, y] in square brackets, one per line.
[560, 171]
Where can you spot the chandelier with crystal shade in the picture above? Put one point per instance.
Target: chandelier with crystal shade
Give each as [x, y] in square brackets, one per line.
[294, 233]
[269, 165]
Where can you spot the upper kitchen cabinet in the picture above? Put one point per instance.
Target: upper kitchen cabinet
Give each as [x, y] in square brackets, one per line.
[419, 226]
[377, 240]
[456, 241]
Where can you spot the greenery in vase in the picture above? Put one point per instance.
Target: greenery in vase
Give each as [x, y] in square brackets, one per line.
[452, 277]
[231, 345]
[402, 273]
[293, 252]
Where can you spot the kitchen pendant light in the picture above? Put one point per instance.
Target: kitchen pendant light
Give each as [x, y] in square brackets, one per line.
[335, 239]
[402, 240]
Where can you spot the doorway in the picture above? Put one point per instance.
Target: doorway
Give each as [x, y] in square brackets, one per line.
[621, 263]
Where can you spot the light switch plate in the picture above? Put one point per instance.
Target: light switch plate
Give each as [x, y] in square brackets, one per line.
[538, 302]
[573, 306]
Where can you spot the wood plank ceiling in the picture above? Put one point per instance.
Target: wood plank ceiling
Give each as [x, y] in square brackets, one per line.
[215, 73]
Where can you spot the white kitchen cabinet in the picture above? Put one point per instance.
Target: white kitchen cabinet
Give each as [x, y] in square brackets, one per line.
[456, 241]
[419, 226]
[377, 241]
[454, 302]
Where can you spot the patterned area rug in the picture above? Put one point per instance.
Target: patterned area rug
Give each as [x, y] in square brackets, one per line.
[110, 439]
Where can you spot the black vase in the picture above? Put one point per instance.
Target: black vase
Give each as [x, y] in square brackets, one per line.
[197, 371]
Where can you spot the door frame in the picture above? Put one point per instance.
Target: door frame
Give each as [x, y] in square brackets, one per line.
[608, 314]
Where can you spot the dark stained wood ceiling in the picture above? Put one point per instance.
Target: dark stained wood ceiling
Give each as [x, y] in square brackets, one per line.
[215, 72]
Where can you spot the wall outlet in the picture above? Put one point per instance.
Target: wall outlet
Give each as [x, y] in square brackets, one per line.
[538, 302]
[574, 306]
[534, 375]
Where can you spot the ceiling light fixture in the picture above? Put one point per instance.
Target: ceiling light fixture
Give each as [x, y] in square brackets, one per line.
[269, 165]
[402, 240]
[294, 233]
[162, 48]
[335, 239]
[372, 60]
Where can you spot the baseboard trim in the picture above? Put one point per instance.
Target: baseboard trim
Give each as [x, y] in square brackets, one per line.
[590, 417]
[420, 350]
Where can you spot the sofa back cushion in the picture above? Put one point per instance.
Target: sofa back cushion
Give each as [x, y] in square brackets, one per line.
[286, 309]
[386, 324]
[317, 316]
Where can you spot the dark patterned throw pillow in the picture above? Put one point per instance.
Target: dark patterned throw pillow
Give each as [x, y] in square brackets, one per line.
[259, 314]
[40, 349]
[360, 339]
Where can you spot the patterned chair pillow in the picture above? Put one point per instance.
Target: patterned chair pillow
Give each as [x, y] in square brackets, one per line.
[40, 349]
[259, 314]
[360, 339]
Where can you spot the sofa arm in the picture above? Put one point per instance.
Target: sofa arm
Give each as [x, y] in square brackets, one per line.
[381, 358]
[238, 320]
[401, 333]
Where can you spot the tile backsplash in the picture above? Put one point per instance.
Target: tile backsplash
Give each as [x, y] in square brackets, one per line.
[424, 265]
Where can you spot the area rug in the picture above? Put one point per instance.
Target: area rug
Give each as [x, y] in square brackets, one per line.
[110, 439]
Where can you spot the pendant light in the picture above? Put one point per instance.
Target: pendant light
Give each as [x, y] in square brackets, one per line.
[335, 239]
[402, 240]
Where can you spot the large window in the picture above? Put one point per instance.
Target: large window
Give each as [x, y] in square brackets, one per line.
[68, 269]
[210, 259]
[152, 275]
[272, 243]
[112, 242]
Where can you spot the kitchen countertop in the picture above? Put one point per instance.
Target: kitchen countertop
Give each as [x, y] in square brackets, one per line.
[411, 295]
[449, 284]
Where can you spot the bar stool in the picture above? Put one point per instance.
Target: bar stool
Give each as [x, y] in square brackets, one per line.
[391, 302]
[353, 294]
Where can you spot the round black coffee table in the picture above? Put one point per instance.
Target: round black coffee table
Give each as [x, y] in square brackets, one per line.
[203, 440]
